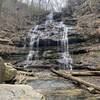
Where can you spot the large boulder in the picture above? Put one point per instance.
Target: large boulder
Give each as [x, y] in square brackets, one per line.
[7, 72]
[10, 72]
[18, 92]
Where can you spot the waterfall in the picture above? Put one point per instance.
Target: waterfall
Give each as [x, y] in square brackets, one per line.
[33, 38]
[49, 19]
[58, 28]
[65, 47]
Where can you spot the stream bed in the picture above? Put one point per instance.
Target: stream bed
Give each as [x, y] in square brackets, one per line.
[58, 88]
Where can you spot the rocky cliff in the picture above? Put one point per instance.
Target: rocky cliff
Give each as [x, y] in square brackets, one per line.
[87, 13]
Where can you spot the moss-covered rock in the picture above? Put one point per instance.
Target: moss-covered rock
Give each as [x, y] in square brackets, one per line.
[7, 72]
[10, 72]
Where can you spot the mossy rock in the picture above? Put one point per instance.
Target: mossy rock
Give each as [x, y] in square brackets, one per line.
[7, 72]
[10, 72]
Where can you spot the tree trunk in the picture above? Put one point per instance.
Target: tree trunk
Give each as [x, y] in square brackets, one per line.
[85, 73]
[80, 81]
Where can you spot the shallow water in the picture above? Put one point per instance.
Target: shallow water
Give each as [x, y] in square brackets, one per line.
[50, 85]
[51, 88]
[64, 97]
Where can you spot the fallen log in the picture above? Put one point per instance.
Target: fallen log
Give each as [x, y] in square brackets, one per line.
[85, 73]
[83, 66]
[80, 81]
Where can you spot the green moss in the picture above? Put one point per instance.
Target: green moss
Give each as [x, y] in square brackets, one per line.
[10, 72]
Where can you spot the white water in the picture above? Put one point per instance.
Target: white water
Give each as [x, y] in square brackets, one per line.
[49, 19]
[65, 47]
[33, 38]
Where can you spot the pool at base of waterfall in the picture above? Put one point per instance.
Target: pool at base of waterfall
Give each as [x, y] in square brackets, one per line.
[59, 89]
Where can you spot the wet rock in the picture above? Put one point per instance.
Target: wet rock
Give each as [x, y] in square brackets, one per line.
[19, 92]
[54, 42]
[50, 55]
[41, 28]
[18, 41]
[57, 16]
[46, 42]
[71, 21]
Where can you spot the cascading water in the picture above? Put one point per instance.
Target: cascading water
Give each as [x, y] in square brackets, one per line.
[65, 47]
[49, 19]
[33, 38]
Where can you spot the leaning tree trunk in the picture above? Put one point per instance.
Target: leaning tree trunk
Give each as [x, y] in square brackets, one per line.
[80, 81]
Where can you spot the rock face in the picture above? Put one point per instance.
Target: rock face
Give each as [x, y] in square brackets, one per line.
[18, 92]
[88, 25]
[7, 72]
[89, 19]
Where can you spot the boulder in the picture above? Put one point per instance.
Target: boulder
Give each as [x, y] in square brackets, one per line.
[10, 72]
[19, 92]
[7, 72]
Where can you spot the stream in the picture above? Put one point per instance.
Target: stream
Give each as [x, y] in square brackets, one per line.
[57, 88]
